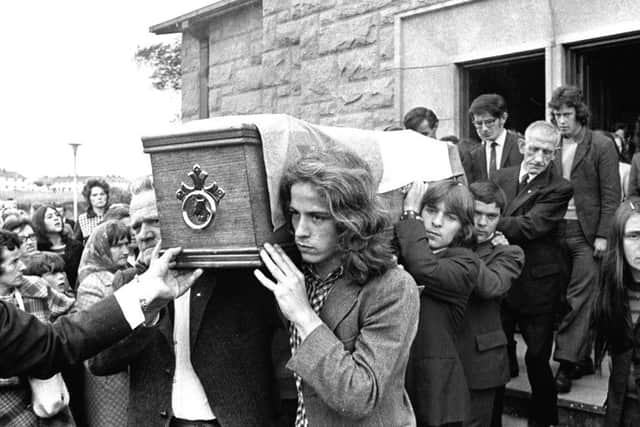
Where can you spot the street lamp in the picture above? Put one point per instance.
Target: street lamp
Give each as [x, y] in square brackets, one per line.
[74, 147]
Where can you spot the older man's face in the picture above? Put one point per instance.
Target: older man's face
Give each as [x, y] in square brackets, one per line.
[12, 267]
[538, 153]
[144, 220]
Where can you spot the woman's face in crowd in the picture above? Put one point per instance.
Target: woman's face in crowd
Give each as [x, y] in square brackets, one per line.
[441, 225]
[631, 242]
[120, 252]
[98, 197]
[57, 280]
[52, 221]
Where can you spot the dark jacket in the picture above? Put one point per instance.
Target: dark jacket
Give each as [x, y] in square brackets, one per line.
[232, 319]
[482, 343]
[435, 377]
[30, 347]
[475, 161]
[530, 221]
[595, 178]
[634, 177]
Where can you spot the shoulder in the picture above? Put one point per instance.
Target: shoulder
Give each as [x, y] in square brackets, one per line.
[396, 280]
[510, 251]
[506, 173]
[513, 137]
[99, 279]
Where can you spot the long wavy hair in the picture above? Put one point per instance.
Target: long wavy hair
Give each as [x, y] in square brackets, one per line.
[345, 182]
[611, 314]
[44, 244]
[570, 96]
[458, 200]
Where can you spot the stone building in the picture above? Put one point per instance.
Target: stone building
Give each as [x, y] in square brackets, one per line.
[364, 63]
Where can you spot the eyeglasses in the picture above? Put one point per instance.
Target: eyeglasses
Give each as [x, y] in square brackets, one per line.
[27, 237]
[487, 123]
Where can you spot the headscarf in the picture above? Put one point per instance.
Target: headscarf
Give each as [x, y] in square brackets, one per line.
[97, 252]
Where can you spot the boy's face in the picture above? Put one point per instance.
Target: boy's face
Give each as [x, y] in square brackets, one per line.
[485, 220]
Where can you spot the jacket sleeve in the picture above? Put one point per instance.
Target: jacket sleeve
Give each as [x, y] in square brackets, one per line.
[542, 218]
[449, 279]
[609, 175]
[634, 188]
[352, 383]
[30, 347]
[498, 273]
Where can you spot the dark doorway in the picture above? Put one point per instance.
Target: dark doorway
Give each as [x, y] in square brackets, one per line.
[606, 70]
[519, 79]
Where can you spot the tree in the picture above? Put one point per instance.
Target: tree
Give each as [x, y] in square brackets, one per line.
[166, 61]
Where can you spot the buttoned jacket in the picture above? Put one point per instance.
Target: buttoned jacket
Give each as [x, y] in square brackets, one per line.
[530, 220]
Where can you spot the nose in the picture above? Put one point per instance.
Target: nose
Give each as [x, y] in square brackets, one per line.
[301, 227]
[481, 220]
[21, 266]
[539, 157]
[436, 220]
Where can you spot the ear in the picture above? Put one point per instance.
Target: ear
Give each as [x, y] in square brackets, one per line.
[521, 145]
[504, 117]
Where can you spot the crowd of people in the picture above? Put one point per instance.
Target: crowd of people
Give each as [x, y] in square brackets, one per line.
[363, 326]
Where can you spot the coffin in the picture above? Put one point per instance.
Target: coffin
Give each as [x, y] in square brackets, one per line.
[216, 180]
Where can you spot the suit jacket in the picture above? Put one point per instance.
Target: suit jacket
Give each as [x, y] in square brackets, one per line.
[475, 162]
[232, 318]
[353, 366]
[530, 221]
[634, 177]
[482, 343]
[595, 178]
[30, 347]
[435, 377]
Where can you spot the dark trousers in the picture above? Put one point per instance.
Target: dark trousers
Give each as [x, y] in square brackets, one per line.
[482, 402]
[537, 331]
[573, 339]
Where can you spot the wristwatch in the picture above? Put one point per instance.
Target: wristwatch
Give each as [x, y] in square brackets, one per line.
[410, 215]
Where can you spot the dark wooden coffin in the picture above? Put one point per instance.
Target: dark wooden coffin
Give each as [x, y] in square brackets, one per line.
[212, 196]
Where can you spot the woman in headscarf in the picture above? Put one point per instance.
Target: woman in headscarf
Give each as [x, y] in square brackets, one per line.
[106, 252]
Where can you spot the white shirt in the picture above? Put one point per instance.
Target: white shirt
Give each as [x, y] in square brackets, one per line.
[188, 399]
[523, 172]
[500, 145]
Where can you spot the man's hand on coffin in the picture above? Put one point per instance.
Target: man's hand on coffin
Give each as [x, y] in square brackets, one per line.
[413, 198]
[289, 289]
[160, 285]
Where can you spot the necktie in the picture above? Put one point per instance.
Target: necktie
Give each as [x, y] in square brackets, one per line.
[492, 159]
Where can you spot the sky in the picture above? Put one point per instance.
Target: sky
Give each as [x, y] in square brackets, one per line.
[68, 75]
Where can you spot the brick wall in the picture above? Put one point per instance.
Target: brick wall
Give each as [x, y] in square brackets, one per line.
[325, 61]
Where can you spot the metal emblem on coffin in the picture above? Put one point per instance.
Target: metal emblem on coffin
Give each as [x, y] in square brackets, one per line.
[199, 203]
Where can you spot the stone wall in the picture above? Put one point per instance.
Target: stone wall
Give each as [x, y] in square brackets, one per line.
[325, 61]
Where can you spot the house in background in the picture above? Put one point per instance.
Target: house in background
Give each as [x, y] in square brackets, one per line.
[364, 63]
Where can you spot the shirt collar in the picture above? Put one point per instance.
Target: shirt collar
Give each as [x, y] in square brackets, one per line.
[523, 172]
[499, 140]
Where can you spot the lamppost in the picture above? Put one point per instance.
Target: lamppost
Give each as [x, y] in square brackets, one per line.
[74, 147]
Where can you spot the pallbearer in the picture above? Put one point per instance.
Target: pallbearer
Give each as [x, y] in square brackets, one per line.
[353, 312]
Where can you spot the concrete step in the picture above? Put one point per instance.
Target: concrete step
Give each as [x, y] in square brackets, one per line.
[582, 407]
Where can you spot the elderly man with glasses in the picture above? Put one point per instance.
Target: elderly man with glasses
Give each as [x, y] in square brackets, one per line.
[499, 148]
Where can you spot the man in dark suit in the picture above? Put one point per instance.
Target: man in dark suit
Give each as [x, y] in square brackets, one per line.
[537, 199]
[30, 347]
[590, 162]
[208, 360]
[499, 147]
[482, 343]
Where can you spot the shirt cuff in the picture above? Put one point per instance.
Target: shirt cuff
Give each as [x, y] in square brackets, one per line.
[129, 302]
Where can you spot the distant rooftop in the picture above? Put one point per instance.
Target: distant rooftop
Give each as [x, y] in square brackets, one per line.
[182, 22]
[10, 174]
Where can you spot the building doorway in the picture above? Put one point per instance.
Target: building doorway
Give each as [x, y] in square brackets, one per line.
[605, 70]
[519, 79]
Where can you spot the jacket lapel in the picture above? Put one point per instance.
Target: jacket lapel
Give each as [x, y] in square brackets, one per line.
[529, 191]
[200, 295]
[581, 150]
[339, 303]
[509, 145]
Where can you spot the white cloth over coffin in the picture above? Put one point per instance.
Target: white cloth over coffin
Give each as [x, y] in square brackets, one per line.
[396, 158]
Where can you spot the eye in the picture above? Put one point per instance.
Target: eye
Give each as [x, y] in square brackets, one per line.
[452, 217]
[492, 217]
[430, 210]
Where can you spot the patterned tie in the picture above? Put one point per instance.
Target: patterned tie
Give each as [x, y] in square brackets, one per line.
[492, 159]
[317, 292]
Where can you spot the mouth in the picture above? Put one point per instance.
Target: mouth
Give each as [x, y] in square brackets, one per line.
[432, 234]
[304, 248]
